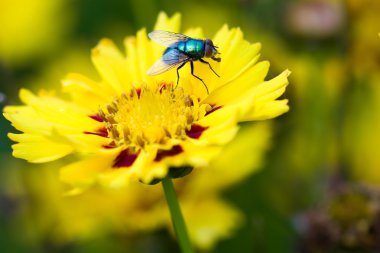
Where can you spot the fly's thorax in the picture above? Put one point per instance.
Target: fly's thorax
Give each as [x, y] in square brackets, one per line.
[193, 48]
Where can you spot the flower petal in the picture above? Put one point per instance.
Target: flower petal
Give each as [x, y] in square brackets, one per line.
[88, 143]
[249, 145]
[86, 171]
[219, 134]
[259, 102]
[86, 92]
[233, 46]
[264, 95]
[21, 116]
[112, 66]
[269, 110]
[139, 51]
[63, 115]
[205, 229]
[233, 91]
[168, 24]
[38, 149]
[141, 169]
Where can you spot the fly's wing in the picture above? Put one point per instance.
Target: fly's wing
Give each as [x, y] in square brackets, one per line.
[169, 60]
[167, 39]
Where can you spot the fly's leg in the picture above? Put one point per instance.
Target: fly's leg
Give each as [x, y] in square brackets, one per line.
[192, 73]
[206, 62]
[183, 64]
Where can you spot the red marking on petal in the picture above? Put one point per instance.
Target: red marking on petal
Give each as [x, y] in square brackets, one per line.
[125, 159]
[138, 91]
[161, 154]
[214, 108]
[196, 131]
[96, 117]
[162, 87]
[109, 146]
[101, 132]
[165, 86]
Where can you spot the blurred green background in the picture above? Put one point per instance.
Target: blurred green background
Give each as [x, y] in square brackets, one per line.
[317, 188]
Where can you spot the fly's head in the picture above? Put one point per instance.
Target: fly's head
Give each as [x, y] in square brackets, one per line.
[211, 50]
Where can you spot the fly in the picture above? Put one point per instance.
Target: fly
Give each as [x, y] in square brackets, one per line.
[180, 50]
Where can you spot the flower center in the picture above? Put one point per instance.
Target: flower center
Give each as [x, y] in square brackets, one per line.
[147, 116]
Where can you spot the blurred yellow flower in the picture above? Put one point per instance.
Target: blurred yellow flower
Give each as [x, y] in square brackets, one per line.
[364, 44]
[360, 131]
[361, 122]
[134, 127]
[30, 28]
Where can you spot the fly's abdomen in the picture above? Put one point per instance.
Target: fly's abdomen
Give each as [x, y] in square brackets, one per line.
[193, 48]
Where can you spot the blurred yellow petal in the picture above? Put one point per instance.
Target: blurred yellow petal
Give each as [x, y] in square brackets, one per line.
[205, 229]
[86, 171]
[249, 145]
[168, 23]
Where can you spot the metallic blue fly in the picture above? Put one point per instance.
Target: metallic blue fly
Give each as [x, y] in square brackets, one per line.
[180, 50]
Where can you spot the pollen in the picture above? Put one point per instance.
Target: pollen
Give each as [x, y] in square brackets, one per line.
[148, 116]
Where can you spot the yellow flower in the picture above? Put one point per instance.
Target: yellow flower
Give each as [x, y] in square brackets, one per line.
[130, 126]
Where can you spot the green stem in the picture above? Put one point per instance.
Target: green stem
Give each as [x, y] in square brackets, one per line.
[177, 218]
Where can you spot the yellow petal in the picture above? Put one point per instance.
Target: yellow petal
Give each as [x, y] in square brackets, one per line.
[269, 110]
[61, 114]
[232, 46]
[249, 145]
[272, 89]
[221, 133]
[265, 106]
[233, 91]
[86, 171]
[88, 143]
[206, 230]
[139, 170]
[38, 149]
[112, 66]
[21, 118]
[198, 155]
[139, 57]
[86, 92]
[168, 24]
[259, 101]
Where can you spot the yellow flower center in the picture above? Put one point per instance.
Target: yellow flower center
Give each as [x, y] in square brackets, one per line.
[147, 116]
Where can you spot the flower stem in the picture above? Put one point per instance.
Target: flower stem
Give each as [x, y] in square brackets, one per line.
[177, 218]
